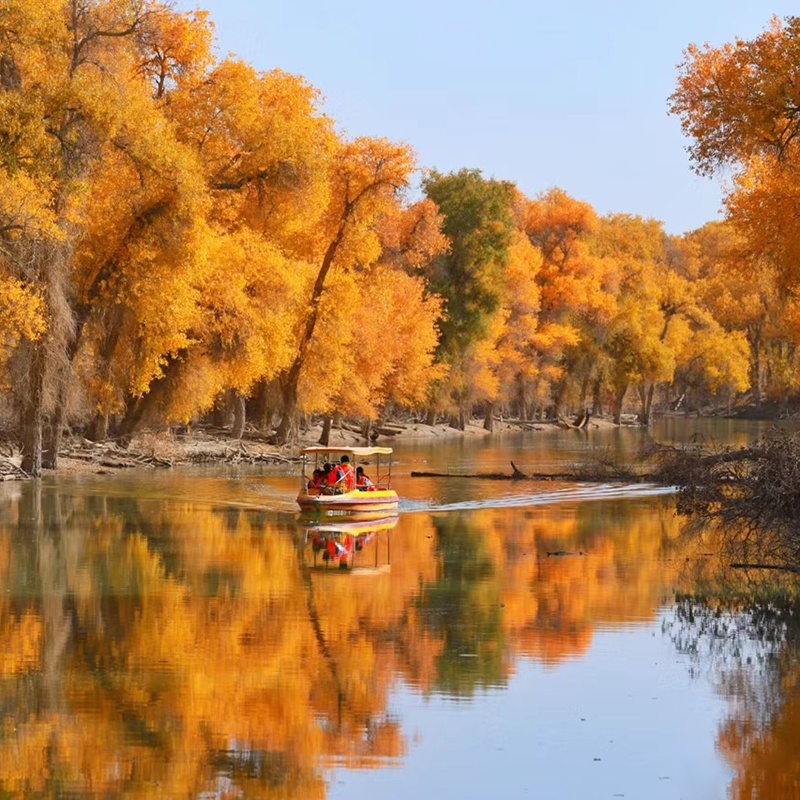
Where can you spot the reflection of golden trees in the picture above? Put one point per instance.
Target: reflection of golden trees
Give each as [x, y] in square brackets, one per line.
[765, 755]
[610, 568]
[168, 649]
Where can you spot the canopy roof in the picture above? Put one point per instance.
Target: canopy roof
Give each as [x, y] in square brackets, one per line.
[355, 451]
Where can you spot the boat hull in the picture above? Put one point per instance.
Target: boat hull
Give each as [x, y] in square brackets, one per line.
[383, 501]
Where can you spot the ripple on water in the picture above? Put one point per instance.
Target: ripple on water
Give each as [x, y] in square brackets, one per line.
[569, 494]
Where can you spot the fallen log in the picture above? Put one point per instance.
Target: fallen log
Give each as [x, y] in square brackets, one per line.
[384, 431]
[516, 475]
[525, 424]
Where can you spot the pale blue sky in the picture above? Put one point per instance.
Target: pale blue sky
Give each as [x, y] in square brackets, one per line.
[568, 94]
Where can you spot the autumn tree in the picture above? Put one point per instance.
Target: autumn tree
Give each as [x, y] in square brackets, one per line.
[739, 104]
[72, 80]
[576, 294]
[470, 275]
[365, 177]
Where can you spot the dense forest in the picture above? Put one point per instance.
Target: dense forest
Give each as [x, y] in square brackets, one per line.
[181, 235]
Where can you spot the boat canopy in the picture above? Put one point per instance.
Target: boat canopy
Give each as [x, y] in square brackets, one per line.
[355, 451]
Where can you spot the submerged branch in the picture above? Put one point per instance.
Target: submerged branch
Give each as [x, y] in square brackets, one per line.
[583, 474]
[751, 494]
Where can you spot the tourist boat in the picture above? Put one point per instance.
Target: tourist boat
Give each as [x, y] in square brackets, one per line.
[362, 547]
[378, 500]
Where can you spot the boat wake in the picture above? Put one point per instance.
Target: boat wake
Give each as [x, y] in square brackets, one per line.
[572, 494]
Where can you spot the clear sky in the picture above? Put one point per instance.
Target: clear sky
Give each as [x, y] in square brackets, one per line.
[571, 94]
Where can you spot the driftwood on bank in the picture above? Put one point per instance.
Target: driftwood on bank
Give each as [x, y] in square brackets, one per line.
[237, 454]
[109, 454]
[584, 476]
[382, 429]
[9, 471]
[579, 423]
[751, 495]
[525, 424]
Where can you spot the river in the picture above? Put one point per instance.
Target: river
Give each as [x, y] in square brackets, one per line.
[181, 635]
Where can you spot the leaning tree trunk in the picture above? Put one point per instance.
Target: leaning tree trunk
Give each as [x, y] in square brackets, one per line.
[141, 407]
[291, 381]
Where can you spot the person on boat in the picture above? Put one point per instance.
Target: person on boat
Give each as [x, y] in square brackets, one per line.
[363, 483]
[317, 479]
[348, 472]
[334, 477]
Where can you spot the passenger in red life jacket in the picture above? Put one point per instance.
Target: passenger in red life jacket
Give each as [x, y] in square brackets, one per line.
[349, 474]
[363, 483]
[333, 475]
[317, 480]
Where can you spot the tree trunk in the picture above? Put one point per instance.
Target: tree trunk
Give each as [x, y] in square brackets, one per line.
[597, 405]
[239, 416]
[53, 433]
[292, 379]
[584, 392]
[133, 416]
[648, 406]
[33, 415]
[137, 409]
[263, 410]
[619, 398]
[367, 431]
[755, 368]
[488, 417]
[289, 395]
[99, 428]
[558, 397]
[642, 392]
[430, 417]
[220, 414]
[325, 436]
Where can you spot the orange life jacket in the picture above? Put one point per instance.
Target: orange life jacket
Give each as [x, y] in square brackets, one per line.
[363, 482]
[349, 475]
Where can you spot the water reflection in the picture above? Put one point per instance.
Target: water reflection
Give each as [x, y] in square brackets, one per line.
[172, 648]
[354, 545]
[744, 636]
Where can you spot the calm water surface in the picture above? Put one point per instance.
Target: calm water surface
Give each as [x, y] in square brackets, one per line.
[182, 635]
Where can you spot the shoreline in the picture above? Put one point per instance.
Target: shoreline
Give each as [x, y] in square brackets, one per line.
[150, 450]
[207, 445]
